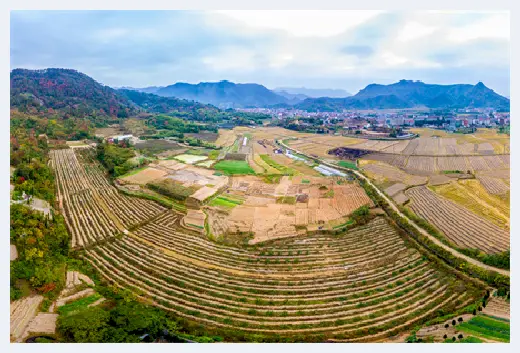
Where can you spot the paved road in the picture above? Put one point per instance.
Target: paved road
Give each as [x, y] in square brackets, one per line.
[396, 209]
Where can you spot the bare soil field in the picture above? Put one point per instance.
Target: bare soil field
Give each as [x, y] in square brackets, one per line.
[382, 172]
[23, 311]
[144, 176]
[498, 307]
[308, 204]
[194, 219]
[461, 226]
[395, 189]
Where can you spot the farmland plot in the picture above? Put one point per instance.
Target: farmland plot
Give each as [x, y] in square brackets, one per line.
[459, 225]
[471, 195]
[452, 163]
[493, 185]
[93, 208]
[311, 288]
[380, 172]
[421, 163]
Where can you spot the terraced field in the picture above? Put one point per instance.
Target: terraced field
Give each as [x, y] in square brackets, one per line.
[359, 286]
[471, 194]
[458, 224]
[85, 195]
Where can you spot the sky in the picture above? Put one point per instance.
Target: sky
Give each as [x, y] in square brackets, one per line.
[313, 49]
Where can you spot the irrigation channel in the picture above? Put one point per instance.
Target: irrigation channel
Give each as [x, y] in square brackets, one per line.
[390, 202]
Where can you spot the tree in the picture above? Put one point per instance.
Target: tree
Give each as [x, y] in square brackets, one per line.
[85, 326]
[453, 322]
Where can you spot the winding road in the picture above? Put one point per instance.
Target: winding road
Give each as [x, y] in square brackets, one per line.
[390, 202]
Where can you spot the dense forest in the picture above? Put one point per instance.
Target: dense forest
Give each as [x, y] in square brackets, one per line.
[72, 94]
[68, 91]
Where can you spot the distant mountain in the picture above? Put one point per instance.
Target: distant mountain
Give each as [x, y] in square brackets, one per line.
[313, 92]
[151, 89]
[224, 94]
[67, 91]
[410, 94]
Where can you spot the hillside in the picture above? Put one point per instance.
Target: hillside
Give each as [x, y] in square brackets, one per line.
[68, 91]
[409, 94]
[224, 94]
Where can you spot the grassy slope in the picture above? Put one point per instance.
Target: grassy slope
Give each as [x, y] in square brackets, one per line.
[473, 196]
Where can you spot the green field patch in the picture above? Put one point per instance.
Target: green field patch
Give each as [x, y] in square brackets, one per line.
[78, 304]
[225, 202]
[347, 164]
[486, 327]
[133, 172]
[469, 339]
[190, 158]
[230, 167]
[346, 224]
[305, 181]
[283, 169]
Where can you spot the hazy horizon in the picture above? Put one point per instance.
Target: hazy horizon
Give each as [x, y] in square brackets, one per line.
[317, 50]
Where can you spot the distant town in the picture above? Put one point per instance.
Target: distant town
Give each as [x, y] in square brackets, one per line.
[386, 123]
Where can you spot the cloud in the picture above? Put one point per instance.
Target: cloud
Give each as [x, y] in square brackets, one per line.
[361, 51]
[321, 49]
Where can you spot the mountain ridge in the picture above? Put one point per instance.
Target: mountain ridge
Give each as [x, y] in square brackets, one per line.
[410, 94]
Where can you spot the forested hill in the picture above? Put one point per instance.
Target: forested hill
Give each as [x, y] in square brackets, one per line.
[65, 91]
[69, 93]
[409, 94]
[153, 103]
[225, 94]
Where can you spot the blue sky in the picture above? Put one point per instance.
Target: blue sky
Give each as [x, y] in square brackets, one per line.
[315, 49]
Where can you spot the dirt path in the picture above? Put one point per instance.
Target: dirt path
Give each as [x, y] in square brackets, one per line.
[419, 229]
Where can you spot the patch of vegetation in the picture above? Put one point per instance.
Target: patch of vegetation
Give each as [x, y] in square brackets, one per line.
[43, 246]
[164, 201]
[305, 181]
[283, 169]
[213, 154]
[231, 167]
[226, 202]
[329, 194]
[116, 158]
[29, 157]
[348, 164]
[78, 304]
[133, 172]
[469, 339]
[170, 188]
[452, 172]
[500, 260]
[272, 178]
[290, 200]
[487, 327]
